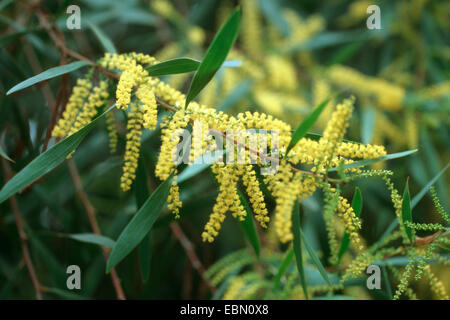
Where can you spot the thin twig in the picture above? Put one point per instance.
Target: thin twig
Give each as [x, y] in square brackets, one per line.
[190, 252]
[20, 224]
[90, 210]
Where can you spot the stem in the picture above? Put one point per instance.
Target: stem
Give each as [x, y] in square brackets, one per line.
[90, 210]
[22, 235]
[190, 252]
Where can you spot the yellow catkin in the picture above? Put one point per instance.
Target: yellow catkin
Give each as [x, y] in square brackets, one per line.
[170, 136]
[96, 99]
[281, 73]
[388, 96]
[76, 100]
[112, 131]
[174, 203]
[351, 222]
[256, 197]
[251, 28]
[286, 185]
[435, 284]
[147, 97]
[134, 131]
[321, 92]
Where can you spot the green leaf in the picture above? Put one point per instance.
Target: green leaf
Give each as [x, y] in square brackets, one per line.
[357, 207]
[406, 212]
[4, 155]
[173, 66]
[215, 55]
[48, 74]
[142, 193]
[298, 246]
[306, 124]
[140, 225]
[425, 189]
[363, 163]
[92, 238]
[314, 258]
[104, 40]
[248, 226]
[283, 267]
[47, 161]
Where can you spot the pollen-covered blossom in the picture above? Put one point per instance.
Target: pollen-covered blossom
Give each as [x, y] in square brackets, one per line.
[351, 221]
[146, 95]
[134, 131]
[227, 199]
[174, 203]
[79, 93]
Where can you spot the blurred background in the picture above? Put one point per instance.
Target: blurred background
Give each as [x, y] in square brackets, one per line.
[290, 56]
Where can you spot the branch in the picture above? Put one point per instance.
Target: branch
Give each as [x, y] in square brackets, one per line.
[90, 210]
[190, 252]
[22, 235]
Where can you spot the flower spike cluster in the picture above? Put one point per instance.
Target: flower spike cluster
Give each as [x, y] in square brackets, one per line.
[286, 183]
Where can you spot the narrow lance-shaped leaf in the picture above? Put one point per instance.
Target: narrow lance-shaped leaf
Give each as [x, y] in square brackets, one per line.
[142, 193]
[47, 161]
[305, 125]
[363, 163]
[248, 226]
[92, 238]
[4, 155]
[104, 40]
[173, 66]
[406, 212]
[298, 246]
[425, 189]
[48, 74]
[283, 267]
[314, 258]
[140, 225]
[215, 55]
[357, 207]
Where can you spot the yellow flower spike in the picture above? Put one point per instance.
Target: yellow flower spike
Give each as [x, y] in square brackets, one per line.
[436, 285]
[146, 95]
[256, 196]
[351, 221]
[389, 96]
[170, 138]
[282, 73]
[134, 128]
[174, 203]
[251, 28]
[112, 131]
[79, 93]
